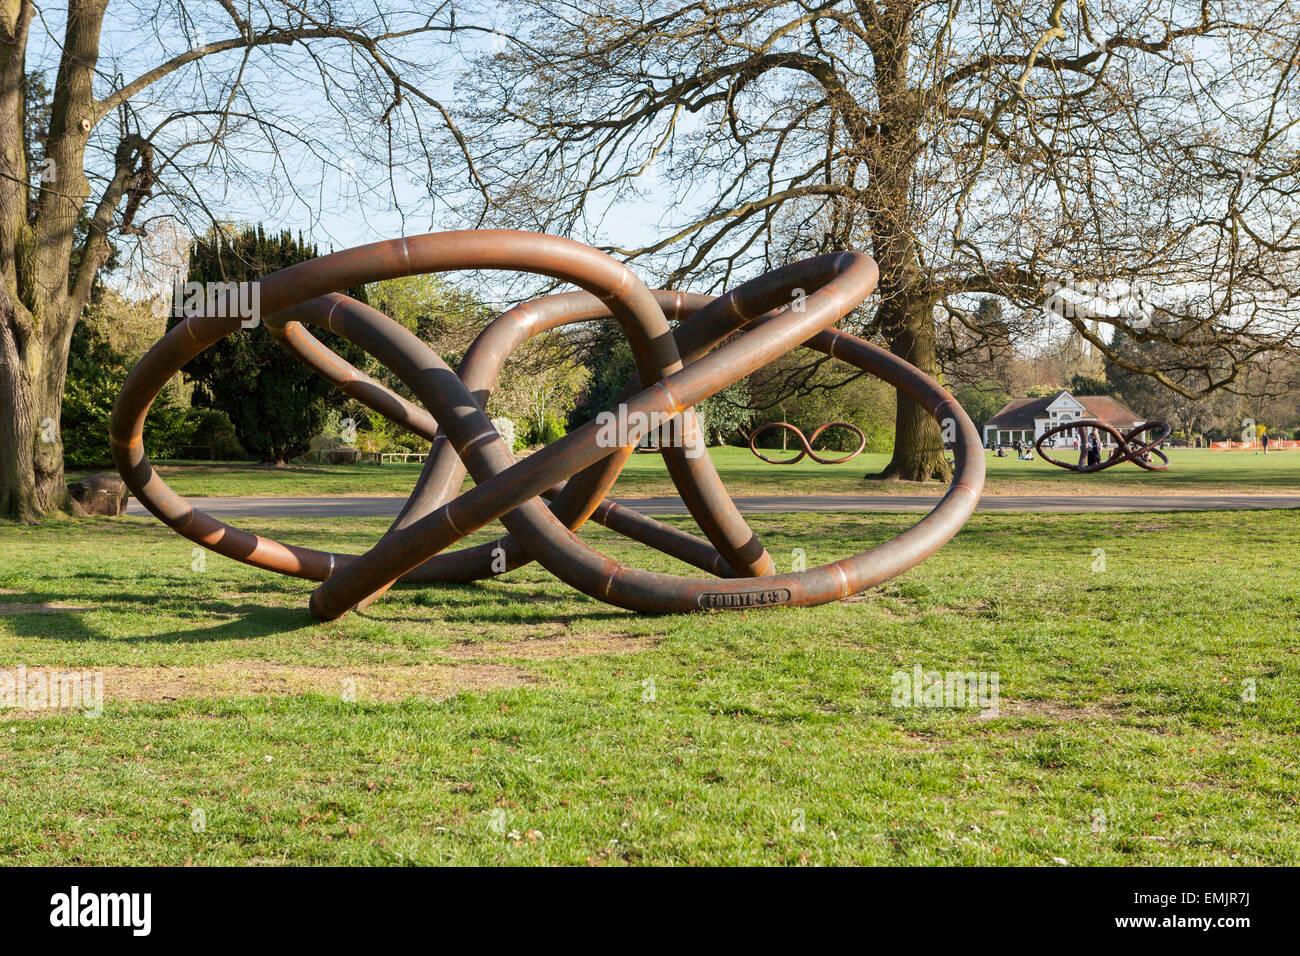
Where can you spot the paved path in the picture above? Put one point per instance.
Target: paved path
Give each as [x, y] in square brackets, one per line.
[335, 507]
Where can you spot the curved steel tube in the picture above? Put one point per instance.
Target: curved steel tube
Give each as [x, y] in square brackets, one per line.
[676, 368]
[807, 443]
[1140, 454]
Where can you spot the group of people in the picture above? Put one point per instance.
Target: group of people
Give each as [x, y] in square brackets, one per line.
[1089, 449]
[1024, 450]
[1090, 453]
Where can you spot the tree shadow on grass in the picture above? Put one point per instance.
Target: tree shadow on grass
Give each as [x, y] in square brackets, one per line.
[249, 621]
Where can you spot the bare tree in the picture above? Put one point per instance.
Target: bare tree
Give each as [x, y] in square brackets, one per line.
[978, 148]
[1191, 409]
[164, 109]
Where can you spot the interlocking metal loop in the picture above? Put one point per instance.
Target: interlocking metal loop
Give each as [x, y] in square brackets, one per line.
[1140, 454]
[543, 499]
[807, 443]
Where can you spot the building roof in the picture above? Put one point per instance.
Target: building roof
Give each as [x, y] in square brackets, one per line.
[1020, 413]
[1109, 410]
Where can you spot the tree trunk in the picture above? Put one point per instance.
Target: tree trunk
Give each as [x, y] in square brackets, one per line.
[18, 497]
[32, 373]
[908, 325]
[906, 311]
[17, 427]
[41, 294]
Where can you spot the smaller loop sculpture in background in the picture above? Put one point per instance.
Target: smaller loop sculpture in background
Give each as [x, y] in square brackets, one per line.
[807, 443]
[1128, 447]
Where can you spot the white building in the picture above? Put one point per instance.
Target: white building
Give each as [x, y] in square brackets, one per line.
[1025, 419]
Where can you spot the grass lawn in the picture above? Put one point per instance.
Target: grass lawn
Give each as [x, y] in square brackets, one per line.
[517, 722]
[1194, 471]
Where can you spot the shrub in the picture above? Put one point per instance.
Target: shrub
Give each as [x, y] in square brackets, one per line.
[275, 403]
[214, 431]
[551, 429]
[95, 376]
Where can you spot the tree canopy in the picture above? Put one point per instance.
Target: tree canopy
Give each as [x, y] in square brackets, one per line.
[1091, 152]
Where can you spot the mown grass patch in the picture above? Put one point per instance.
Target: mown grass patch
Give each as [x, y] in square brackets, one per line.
[1126, 730]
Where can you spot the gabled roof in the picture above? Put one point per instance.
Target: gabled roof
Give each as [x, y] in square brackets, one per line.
[1109, 410]
[1065, 400]
[1020, 413]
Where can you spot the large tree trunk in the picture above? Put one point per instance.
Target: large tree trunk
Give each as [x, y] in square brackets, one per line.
[906, 314]
[31, 397]
[41, 295]
[17, 427]
[17, 424]
[908, 326]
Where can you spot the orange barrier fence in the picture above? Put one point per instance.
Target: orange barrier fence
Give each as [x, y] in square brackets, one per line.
[1274, 444]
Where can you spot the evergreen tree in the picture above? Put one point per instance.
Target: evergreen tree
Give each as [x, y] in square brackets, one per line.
[1090, 385]
[275, 402]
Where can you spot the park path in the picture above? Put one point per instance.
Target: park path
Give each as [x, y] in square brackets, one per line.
[383, 507]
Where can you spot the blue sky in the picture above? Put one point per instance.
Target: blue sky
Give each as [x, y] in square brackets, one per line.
[334, 205]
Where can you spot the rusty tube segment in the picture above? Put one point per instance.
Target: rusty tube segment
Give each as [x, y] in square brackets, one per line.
[545, 498]
[1127, 446]
[807, 442]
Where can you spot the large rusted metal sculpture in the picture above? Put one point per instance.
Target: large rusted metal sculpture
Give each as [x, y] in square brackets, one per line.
[676, 368]
[807, 443]
[1127, 446]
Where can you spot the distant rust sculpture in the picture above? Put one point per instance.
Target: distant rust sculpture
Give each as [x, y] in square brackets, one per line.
[807, 443]
[1125, 449]
[676, 368]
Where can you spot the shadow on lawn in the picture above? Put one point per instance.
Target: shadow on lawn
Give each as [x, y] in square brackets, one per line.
[453, 603]
[249, 620]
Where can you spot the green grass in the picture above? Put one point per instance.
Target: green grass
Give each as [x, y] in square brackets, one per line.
[1194, 471]
[770, 738]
